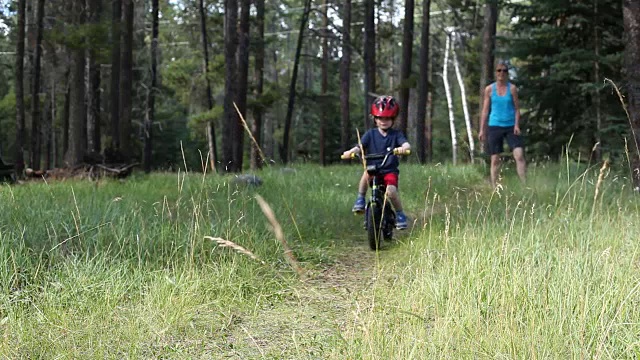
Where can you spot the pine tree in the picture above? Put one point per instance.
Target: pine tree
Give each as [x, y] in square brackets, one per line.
[554, 56]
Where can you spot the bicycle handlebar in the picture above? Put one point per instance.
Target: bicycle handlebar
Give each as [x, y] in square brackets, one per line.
[377, 156]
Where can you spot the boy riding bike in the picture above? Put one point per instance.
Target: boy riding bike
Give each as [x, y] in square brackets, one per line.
[381, 139]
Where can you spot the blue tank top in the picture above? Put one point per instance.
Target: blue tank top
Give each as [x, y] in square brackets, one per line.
[503, 112]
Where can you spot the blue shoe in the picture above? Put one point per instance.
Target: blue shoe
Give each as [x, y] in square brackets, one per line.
[401, 220]
[358, 206]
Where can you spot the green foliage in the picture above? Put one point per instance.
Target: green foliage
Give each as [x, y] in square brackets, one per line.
[554, 52]
[179, 77]
[8, 124]
[198, 121]
[172, 135]
[550, 43]
[85, 36]
[271, 94]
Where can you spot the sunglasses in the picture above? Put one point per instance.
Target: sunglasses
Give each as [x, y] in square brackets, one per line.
[502, 70]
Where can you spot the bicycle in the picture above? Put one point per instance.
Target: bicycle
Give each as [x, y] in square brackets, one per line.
[379, 216]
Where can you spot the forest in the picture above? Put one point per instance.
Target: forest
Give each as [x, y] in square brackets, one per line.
[233, 235]
[232, 85]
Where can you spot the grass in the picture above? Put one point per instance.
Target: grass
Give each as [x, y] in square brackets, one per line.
[160, 266]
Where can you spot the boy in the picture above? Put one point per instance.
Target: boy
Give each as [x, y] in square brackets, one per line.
[381, 139]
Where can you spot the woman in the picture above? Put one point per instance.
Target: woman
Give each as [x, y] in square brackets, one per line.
[503, 110]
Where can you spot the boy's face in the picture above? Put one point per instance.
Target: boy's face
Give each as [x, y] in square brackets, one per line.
[384, 123]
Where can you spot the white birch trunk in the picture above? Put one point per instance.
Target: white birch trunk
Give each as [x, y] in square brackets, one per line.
[447, 90]
[52, 130]
[463, 95]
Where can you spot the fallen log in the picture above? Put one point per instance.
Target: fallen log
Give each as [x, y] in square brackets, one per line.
[82, 171]
[118, 171]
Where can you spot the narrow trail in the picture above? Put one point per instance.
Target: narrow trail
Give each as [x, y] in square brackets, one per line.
[313, 315]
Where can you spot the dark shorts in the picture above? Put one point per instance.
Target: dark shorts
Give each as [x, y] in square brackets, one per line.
[497, 134]
[388, 179]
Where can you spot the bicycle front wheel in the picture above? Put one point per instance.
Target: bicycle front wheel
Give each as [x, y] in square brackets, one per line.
[388, 223]
[374, 226]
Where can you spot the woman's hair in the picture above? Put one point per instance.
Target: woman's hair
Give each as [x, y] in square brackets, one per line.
[504, 63]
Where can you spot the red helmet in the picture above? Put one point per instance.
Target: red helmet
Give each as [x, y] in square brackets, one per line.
[385, 106]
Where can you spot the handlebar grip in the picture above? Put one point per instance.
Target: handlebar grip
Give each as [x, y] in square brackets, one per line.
[400, 152]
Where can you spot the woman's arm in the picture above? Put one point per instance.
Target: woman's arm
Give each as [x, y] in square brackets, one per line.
[486, 105]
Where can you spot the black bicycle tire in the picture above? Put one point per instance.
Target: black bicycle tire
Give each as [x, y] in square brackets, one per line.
[374, 227]
[389, 222]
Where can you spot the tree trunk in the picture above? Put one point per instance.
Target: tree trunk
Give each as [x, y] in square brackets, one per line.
[256, 129]
[210, 129]
[243, 83]
[50, 111]
[324, 83]
[345, 74]
[19, 72]
[369, 58]
[74, 154]
[631, 15]
[307, 70]
[463, 96]
[114, 104]
[488, 52]
[94, 144]
[230, 116]
[36, 137]
[405, 69]
[284, 149]
[151, 102]
[66, 114]
[447, 91]
[429, 126]
[423, 84]
[392, 45]
[126, 81]
[596, 80]
[269, 142]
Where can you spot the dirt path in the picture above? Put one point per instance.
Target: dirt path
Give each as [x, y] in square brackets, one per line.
[308, 323]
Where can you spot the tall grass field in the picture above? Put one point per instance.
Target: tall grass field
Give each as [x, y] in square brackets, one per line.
[192, 266]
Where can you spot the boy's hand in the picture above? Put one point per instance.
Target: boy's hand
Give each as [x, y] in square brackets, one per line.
[347, 155]
[401, 151]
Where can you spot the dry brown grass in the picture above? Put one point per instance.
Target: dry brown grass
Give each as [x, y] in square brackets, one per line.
[246, 128]
[230, 244]
[277, 229]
